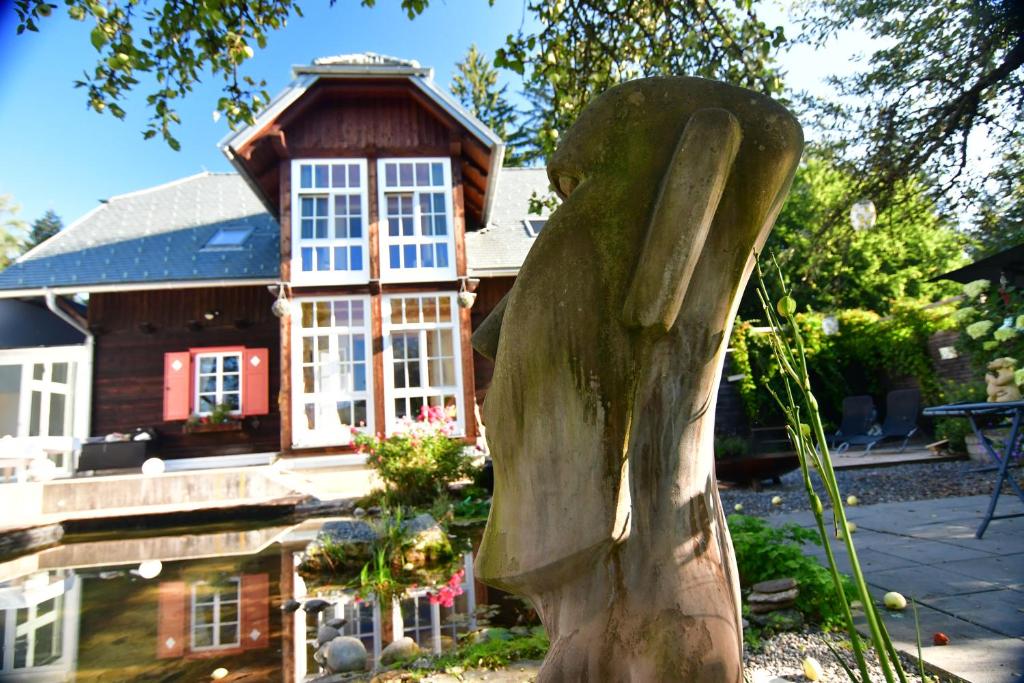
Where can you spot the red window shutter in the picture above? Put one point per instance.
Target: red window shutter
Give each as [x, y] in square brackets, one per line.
[177, 386]
[171, 609]
[255, 625]
[255, 385]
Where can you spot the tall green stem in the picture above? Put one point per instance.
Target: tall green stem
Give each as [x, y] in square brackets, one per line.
[812, 446]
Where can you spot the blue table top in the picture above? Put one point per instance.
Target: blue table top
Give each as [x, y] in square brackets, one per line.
[965, 409]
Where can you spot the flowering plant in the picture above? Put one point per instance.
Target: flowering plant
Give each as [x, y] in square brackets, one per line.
[419, 460]
[446, 594]
[991, 317]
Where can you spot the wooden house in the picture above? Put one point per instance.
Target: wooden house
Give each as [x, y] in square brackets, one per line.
[321, 289]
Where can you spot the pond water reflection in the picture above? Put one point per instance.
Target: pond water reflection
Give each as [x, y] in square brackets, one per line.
[86, 611]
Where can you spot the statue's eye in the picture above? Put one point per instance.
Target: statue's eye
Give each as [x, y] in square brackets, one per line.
[566, 185]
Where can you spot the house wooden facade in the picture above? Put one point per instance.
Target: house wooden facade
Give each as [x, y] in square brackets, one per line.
[320, 290]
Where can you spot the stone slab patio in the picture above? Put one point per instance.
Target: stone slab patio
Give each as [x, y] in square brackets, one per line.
[970, 589]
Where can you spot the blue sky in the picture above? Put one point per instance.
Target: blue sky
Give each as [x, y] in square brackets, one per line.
[59, 155]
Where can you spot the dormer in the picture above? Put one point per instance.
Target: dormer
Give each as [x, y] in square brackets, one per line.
[372, 170]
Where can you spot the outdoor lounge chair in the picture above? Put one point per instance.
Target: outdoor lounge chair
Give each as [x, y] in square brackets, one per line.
[901, 410]
[858, 415]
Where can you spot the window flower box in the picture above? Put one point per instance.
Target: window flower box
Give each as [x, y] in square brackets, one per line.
[205, 427]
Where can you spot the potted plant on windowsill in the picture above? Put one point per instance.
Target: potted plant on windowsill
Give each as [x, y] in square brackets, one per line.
[220, 419]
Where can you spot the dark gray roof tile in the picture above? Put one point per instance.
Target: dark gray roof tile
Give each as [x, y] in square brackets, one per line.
[157, 235]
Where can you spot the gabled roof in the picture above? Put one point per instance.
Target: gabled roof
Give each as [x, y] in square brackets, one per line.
[156, 235]
[501, 246]
[367, 65]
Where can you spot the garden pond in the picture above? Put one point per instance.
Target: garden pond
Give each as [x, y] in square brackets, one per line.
[222, 602]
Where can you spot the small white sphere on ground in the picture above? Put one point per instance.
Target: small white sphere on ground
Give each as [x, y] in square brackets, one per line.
[894, 601]
[153, 467]
[812, 669]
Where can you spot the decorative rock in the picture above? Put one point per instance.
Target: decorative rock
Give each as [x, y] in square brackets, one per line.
[773, 598]
[403, 648]
[337, 622]
[774, 585]
[765, 608]
[784, 620]
[326, 634]
[345, 653]
[290, 606]
[374, 511]
[419, 524]
[359, 513]
[348, 531]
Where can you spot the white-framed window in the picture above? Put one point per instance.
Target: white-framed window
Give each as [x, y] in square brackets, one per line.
[329, 221]
[37, 639]
[421, 356]
[359, 621]
[216, 614]
[218, 381]
[416, 228]
[332, 371]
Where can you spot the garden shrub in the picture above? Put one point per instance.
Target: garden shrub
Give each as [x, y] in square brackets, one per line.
[731, 446]
[418, 462]
[991, 320]
[866, 352]
[764, 552]
[494, 654]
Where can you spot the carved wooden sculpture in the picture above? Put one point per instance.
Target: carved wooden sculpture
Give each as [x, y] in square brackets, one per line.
[608, 351]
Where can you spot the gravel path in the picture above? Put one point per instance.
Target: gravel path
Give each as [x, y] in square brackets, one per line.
[782, 656]
[913, 481]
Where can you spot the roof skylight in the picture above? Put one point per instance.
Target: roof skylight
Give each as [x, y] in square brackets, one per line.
[228, 238]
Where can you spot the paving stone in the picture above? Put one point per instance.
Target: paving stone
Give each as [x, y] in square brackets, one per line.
[930, 582]
[1000, 611]
[1007, 571]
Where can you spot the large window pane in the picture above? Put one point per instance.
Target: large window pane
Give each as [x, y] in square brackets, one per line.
[328, 232]
[416, 216]
[332, 356]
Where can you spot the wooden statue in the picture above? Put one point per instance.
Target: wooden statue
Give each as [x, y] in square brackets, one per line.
[608, 352]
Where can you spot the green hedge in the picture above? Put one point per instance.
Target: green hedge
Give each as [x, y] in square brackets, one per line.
[863, 357]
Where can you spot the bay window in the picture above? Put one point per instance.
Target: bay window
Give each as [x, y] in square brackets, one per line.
[331, 370]
[416, 235]
[421, 356]
[329, 221]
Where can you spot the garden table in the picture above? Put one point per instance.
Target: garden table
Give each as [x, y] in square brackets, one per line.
[1011, 448]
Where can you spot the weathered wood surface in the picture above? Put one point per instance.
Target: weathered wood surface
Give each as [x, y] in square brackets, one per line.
[128, 384]
[600, 415]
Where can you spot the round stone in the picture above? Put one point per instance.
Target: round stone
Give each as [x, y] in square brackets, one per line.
[345, 653]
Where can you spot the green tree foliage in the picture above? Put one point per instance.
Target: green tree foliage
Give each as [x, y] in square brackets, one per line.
[12, 231]
[867, 269]
[585, 46]
[863, 357]
[476, 85]
[943, 72]
[44, 228]
[175, 43]
[999, 207]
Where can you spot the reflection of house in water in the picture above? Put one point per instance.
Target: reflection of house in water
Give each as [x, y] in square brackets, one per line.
[38, 642]
[86, 612]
